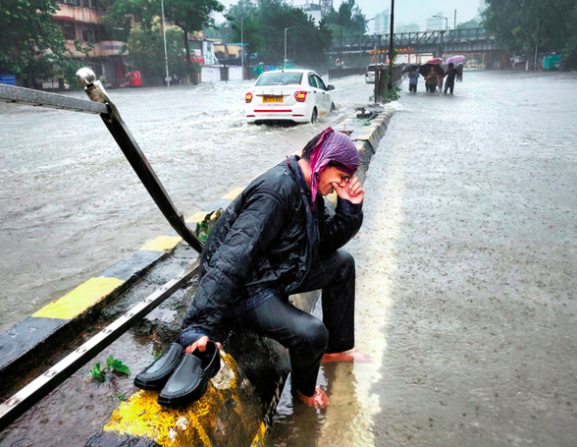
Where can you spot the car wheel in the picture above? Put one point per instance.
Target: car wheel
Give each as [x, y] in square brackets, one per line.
[333, 108]
[315, 116]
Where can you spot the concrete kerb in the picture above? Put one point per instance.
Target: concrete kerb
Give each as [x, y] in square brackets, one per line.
[241, 401]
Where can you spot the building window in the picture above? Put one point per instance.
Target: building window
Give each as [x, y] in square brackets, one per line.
[68, 30]
[88, 36]
[71, 2]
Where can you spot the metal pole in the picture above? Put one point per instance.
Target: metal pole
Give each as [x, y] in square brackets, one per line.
[242, 47]
[455, 22]
[284, 60]
[165, 52]
[96, 92]
[285, 30]
[391, 45]
[43, 384]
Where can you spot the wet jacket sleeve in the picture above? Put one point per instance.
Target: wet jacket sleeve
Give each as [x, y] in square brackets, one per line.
[256, 227]
[341, 227]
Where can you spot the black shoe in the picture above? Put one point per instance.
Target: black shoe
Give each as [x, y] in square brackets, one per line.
[155, 376]
[190, 380]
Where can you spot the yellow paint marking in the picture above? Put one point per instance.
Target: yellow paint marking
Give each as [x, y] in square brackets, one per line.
[162, 243]
[258, 440]
[232, 195]
[226, 404]
[80, 299]
[198, 216]
[323, 113]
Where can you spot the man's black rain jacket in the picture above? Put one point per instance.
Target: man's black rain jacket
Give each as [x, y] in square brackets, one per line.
[266, 239]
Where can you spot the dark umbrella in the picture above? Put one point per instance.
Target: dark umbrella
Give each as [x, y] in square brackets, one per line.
[410, 67]
[424, 70]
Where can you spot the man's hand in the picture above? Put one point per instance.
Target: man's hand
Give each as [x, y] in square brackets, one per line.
[200, 344]
[352, 191]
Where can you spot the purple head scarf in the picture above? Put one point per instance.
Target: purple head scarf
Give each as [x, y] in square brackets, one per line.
[335, 148]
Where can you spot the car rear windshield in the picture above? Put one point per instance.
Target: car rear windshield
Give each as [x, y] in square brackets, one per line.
[280, 78]
[371, 68]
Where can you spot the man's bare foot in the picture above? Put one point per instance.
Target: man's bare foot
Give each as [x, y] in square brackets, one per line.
[347, 356]
[200, 344]
[318, 400]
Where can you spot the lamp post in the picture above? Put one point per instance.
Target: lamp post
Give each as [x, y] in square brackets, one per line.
[446, 21]
[285, 30]
[391, 45]
[165, 52]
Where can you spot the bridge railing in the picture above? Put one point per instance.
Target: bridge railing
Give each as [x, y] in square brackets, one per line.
[421, 40]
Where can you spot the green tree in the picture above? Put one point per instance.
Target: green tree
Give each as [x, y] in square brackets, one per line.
[190, 16]
[307, 44]
[31, 45]
[146, 49]
[247, 12]
[531, 26]
[349, 20]
[473, 23]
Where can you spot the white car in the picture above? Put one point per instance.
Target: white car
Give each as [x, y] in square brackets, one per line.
[294, 95]
[370, 74]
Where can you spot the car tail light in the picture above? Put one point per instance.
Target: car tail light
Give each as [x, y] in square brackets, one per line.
[248, 97]
[301, 96]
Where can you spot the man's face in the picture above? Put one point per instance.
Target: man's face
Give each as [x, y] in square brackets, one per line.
[330, 179]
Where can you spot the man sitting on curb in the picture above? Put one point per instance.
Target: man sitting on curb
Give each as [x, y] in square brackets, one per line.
[277, 239]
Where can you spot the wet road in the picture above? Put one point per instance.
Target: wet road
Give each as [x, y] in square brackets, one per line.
[466, 277]
[465, 283]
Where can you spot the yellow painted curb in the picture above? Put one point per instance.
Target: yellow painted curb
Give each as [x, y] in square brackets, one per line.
[232, 195]
[162, 243]
[80, 299]
[198, 216]
[199, 424]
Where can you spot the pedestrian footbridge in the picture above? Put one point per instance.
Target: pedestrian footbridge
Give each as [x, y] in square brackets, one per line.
[436, 42]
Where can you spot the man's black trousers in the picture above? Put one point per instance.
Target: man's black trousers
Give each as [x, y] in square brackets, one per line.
[307, 337]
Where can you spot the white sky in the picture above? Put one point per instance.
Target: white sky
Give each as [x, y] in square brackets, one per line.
[406, 11]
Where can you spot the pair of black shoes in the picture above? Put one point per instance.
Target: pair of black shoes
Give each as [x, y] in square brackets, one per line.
[180, 378]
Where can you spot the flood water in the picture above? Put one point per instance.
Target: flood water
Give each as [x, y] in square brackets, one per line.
[70, 204]
[465, 261]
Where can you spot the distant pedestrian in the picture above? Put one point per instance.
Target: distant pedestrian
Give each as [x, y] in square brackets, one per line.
[431, 81]
[440, 78]
[450, 84]
[413, 81]
[459, 73]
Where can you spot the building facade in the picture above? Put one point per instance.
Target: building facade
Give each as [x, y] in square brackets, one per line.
[382, 24]
[436, 23]
[86, 39]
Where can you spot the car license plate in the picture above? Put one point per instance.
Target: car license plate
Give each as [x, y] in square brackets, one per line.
[272, 99]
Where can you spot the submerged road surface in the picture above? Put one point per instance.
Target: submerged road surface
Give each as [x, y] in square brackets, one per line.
[466, 292]
[465, 262]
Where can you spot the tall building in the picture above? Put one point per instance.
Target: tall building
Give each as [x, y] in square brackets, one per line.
[326, 6]
[436, 23]
[313, 10]
[382, 22]
[78, 20]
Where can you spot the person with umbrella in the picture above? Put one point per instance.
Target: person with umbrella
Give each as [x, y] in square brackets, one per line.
[413, 80]
[431, 80]
[450, 84]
